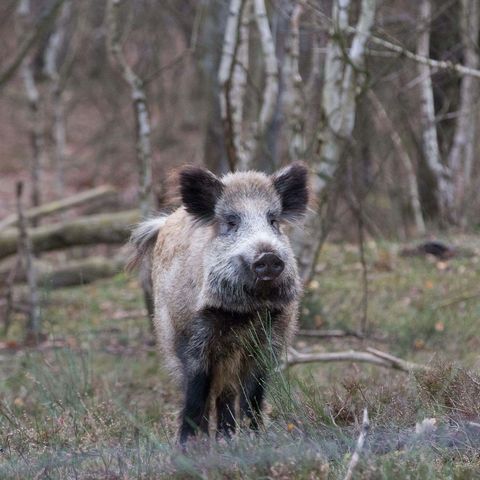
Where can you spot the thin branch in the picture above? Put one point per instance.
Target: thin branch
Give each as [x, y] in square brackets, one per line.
[40, 28]
[363, 262]
[359, 447]
[371, 355]
[404, 52]
[329, 334]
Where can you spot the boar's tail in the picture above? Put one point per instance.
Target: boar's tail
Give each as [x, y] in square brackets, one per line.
[143, 240]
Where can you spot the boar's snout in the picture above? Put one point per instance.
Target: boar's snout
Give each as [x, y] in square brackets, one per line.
[267, 266]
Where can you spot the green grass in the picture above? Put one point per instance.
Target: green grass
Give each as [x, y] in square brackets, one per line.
[94, 402]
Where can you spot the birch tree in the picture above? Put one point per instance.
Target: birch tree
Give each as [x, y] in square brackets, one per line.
[32, 92]
[242, 140]
[139, 99]
[344, 75]
[452, 174]
[52, 68]
[294, 96]
[441, 172]
[462, 153]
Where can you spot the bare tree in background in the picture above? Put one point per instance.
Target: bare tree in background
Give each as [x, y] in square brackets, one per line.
[56, 75]
[344, 74]
[37, 140]
[383, 121]
[293, 96]
[462, 152]
[452, 175]
[139, 98]
[242, 141]
[142, 122]
[25, 252]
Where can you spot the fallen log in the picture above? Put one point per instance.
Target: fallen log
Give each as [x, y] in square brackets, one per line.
[105, 228]
[98, 194]
[80, 272]
[75, 272]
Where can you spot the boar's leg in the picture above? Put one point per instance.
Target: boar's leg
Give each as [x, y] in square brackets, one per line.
[251, 400]
[225, 405]
[195, 412]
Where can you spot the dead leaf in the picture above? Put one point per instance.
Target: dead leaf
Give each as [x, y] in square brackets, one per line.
[439, 327]
[442, 266]
[419, 344]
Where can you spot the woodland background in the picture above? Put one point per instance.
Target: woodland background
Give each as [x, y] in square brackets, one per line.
[102, 101]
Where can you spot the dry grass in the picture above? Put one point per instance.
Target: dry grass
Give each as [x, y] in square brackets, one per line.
[93, 402]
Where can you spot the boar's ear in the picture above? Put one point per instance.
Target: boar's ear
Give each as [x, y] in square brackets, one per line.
[200, 190]
[291, 184]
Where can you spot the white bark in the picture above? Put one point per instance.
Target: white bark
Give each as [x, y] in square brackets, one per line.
[36, 120]
[293, 97]
[239, 84]
[440, 171]
[270, 91]
[242, 145]
[139, 100]
[462, 152]
[230, 47]
[359, 446]
[342, 78]
[52, 59]
[383, 120]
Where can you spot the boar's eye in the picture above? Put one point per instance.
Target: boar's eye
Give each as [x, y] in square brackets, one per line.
[229, 224]
[274, 222]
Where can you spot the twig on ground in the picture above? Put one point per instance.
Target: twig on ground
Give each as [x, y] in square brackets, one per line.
[372, 355]
[359, 447]
[337, 333]
[329, 333]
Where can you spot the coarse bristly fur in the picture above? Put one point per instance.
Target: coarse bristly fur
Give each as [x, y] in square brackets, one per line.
[212, 296]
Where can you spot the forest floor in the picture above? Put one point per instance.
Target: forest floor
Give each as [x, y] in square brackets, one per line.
[93, 402]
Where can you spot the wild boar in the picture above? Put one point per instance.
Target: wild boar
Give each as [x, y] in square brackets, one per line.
[221, 269]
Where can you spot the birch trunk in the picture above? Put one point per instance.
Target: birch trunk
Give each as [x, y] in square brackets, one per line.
[242, 144]
[294, 100]
[139, 99]
[462, 152]
[343, 75]
[25, 251]
[239, 84]
[36, 120]
[52, 60]
[231, 41]
[441, 173]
